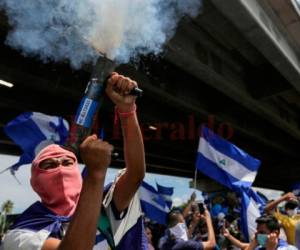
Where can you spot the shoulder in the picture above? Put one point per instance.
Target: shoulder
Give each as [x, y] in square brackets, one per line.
[297, 217]
[108, 204]
[123, 223]
[281, 217]
[110, 188]
[277, 214]
[24, 239]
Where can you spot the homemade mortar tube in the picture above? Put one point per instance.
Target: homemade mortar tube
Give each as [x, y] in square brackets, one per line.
[90, 103]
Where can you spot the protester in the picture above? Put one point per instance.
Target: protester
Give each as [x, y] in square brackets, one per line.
[149, 237]
[197, 228]
[68, 215]
[177, 233]
[288, 220]
[267, 235]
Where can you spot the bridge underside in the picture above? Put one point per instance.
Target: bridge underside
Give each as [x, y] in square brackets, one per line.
[221, 69]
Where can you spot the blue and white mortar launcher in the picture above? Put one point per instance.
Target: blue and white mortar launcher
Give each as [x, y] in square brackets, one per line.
[91, 102]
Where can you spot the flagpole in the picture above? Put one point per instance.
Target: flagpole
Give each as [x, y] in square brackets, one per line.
[195, 179]
[14, 175]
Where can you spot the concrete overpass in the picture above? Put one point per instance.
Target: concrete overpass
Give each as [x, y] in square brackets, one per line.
[236, 67]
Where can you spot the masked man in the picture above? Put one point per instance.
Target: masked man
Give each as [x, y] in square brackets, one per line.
[267, 235]
[80, 214]
[177, 233]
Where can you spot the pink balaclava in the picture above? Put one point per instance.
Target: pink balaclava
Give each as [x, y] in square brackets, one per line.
[59, 188]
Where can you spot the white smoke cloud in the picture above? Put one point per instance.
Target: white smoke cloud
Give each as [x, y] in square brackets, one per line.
[74, 29]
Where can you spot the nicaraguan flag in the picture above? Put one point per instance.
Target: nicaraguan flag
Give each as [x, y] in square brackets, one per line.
[166, 193]
[225, 162]
[232, 167]
[252, 208]
[33, 131]
[153, 204]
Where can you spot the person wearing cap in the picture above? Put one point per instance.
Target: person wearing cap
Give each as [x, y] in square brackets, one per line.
[81, 214]
[289, 219]
[267, 235]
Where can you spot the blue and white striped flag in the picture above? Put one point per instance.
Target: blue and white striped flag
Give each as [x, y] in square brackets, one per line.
[252, 208]
[232, 167]
[166, 193]
[33, 131]
[153, 204]
[225, 162]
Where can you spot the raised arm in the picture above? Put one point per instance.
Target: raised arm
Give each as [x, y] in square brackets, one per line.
[211, 241]
[195, 220]
[234, 240]
[188, 207]
[253, 244]
[118, 88]
[81, 232]
[274, 204]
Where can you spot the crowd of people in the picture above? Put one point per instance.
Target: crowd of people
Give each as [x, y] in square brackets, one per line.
[216, 224]
[81, 214]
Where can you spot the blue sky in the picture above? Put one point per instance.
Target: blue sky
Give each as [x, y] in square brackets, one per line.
[23, 196]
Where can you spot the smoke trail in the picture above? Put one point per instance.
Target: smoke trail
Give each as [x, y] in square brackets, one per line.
[75, 29]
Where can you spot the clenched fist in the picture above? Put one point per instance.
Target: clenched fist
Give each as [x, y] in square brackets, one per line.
[96, 155]
[118, 89]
